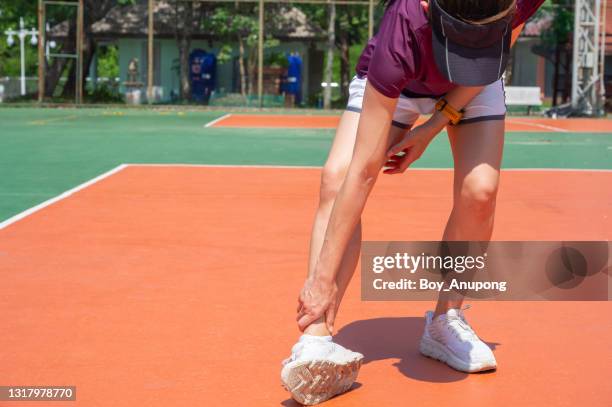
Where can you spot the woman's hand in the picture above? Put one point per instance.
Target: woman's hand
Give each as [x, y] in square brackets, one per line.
[317, 299]
[412, 146]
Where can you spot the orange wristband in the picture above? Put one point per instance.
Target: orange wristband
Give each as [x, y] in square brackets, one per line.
[453, 114]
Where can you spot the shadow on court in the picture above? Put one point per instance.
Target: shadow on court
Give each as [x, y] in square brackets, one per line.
[397, 338]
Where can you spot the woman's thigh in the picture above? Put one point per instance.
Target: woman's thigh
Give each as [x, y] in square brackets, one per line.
[342, 147]
[477, 152]
[341, 151]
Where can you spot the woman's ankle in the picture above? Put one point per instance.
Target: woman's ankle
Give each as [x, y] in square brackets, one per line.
[317, 329]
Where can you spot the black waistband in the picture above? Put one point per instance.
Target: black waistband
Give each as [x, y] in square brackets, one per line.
[409, 94]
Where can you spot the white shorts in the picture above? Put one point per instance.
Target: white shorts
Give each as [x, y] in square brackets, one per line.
[489, 104]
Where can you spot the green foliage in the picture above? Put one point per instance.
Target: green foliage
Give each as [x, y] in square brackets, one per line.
[108, 62]
[224, 55]
[276, 59]
[104, 93]
[562, 12]
[10, 64]
[10, 12]
[232, 21]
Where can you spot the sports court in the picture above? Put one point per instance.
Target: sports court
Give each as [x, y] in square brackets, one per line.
[154, 257]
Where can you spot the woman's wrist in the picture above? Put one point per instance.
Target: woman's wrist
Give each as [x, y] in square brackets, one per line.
[438, 121]
[323, 276]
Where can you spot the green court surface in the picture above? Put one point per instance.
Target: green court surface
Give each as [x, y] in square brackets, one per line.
[44, 152]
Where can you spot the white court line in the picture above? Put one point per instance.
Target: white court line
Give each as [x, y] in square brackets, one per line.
[253, 166]
[120, 167]
[218, 119]
[316, 167]
[544, 126]
[61, 196]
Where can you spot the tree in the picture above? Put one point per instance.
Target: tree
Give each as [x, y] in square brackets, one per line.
[94, 10]
[351, 29]
[238, 23]
[556, 44]
[64, 19]
[10, 12]
[190, 18]
[331, 44]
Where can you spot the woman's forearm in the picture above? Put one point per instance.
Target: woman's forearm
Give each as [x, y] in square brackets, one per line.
[347, 210]
[460, 96]
[368, 158]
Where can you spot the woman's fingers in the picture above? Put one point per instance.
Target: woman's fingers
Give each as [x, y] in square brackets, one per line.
[306, 320]
[394, 164]
[398, 148]
[400, 165]
[300, 303]
[411, 157]
[301, 312]
[404, 144]
[301, 309]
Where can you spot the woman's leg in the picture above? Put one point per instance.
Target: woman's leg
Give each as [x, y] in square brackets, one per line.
[477, 152]
[332, 177]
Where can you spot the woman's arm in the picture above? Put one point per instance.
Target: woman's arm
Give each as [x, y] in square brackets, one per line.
[318, 296]
[417, 140]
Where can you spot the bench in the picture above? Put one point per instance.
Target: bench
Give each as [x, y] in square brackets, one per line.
[529, 96]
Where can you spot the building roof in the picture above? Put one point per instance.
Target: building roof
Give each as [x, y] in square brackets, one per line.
[132, 21]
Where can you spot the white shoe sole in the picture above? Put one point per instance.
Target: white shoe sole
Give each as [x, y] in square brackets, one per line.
[435, 350]
[316, 381]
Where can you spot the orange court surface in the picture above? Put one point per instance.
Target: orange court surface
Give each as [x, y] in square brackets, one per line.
[176, 285]
[518, 124]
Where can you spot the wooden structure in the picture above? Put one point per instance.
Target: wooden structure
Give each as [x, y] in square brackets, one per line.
[77, 56]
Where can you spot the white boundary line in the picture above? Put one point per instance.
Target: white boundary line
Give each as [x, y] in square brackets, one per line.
[61, 196]
[252, 166]
[509, 120]
[315, 167]
[543, 126]
[218, 119]
[120, 167]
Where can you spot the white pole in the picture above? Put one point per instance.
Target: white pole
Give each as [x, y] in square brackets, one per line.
[575, 52]
[595, 72]
[602, 62]
[22, 50]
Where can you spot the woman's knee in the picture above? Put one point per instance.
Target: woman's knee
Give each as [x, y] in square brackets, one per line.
[331, 182]
[478, 194]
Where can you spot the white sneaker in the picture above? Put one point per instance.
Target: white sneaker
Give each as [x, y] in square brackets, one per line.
[319, 369]
[450, 339]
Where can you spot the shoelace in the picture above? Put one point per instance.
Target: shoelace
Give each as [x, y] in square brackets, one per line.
[459, 326]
